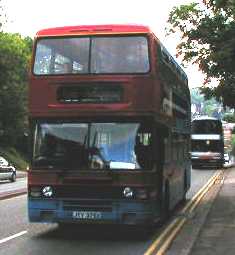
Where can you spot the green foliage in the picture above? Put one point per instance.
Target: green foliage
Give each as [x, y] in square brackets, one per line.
[233, 144]
[209, 104]
[229, 118]
[15, 52]
[14, 157]
[208, 39]
[196, 96]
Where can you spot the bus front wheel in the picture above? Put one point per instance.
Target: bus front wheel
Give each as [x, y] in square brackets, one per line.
[165, 210]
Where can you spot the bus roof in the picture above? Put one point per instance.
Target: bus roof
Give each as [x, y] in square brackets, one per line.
[205, 118]
[93, 29]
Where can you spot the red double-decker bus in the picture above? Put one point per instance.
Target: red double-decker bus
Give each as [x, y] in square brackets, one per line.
[109, 112]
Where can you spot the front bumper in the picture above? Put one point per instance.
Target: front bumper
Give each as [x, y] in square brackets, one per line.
[93, 211]
[207, 162]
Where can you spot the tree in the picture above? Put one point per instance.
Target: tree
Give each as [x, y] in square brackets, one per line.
[208, 40]
[207, 107]
[14, 52]
[14, 59]
[229, 118]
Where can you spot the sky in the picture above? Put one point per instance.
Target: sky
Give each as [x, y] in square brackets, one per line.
[27, 17]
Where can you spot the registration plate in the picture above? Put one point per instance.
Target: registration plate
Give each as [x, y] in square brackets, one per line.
[87, 215]
[206, 157]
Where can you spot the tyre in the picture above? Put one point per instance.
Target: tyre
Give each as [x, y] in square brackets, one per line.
[13, 177]
[165, 210]
[140, 231]
[185, 188]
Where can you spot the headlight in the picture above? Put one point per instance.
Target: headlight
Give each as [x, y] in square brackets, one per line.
[96, 162]
[141, 193]
[35, 192]
[47, 191]
[128, 192]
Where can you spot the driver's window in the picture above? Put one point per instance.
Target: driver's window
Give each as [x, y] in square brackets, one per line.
[62, 65]
[144, 148]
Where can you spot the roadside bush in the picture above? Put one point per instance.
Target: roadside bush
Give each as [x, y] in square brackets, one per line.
[233, 144]
[14, 157]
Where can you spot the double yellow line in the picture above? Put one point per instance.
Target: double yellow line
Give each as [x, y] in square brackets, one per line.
[162, 242]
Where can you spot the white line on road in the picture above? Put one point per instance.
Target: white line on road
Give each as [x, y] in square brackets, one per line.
[4, 240]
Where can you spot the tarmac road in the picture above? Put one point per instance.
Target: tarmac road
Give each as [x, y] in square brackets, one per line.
[17, 236]
[6, 186]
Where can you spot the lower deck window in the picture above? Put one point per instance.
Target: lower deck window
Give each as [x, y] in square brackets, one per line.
[206, 145]
[93, 145]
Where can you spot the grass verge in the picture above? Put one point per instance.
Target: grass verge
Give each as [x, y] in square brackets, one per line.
[15, 158]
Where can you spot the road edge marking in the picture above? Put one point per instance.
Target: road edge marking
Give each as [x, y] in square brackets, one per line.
[181, 222]
[176, 224]
[12, 194]
[6, 239]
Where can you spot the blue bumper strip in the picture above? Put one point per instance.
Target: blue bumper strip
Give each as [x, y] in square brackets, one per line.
[119, 212]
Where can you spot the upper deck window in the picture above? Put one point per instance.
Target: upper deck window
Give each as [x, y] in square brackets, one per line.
[94, 55]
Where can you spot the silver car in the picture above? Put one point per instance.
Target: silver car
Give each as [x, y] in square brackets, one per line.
[7, 171]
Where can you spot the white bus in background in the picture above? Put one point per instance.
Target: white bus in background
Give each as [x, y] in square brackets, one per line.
[207, 142]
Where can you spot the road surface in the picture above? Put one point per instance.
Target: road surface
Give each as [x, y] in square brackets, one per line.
[18, 236]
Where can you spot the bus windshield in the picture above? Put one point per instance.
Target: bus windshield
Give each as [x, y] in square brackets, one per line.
[206, 127]
[206, 145]
[91, 55]
[81, 146]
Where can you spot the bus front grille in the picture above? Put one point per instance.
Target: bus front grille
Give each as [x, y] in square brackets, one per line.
[81, 205]
[85, 192]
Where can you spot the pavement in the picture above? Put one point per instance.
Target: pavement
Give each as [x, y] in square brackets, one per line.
[217, 235]
[15, 191]
[210, 228]
[21, 174]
